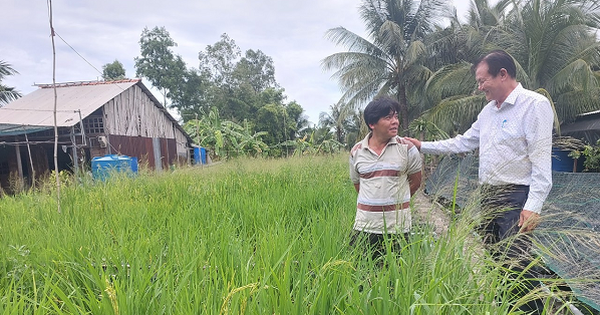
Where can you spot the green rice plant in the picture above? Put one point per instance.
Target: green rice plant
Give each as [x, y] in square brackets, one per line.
[250, 236]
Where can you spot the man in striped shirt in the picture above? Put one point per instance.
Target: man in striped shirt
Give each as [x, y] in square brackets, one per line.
[386, 171]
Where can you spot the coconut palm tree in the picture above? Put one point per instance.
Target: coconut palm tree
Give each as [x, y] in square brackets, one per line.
[356, 128]
[335, 119]
[554, 46]
[391, 61]
[7, 93]
[555, 43]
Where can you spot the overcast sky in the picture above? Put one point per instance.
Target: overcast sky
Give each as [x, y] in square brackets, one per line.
[289, 31]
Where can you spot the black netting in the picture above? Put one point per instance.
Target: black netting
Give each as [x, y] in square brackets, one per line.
[570, 230]
[453, 170]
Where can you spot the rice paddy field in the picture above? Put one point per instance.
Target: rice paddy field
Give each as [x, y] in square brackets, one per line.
[242, 237]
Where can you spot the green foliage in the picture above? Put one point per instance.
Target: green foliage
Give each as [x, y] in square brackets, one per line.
[7, 93]
[113, 71]
[591, 155]
[312, 145]
[157, 62]
[242, 89]
[281, 122]
[239, 86]
[226, 139]
[426, 130]
[341, 124]
[192, 96]
[255, 69]
[337, 120]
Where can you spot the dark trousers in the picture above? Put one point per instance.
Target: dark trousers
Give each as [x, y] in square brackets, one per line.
[376, 242]
[502, 206]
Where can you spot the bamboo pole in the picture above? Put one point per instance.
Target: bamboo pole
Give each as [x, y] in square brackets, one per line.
[54, 112]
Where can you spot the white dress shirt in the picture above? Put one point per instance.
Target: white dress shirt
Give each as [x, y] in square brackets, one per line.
[514, 141]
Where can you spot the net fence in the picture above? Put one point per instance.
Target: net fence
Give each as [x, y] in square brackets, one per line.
[569, 235]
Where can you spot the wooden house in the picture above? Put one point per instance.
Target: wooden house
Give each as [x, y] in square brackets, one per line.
[94, 118]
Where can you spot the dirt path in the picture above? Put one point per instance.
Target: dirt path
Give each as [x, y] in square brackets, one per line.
[431, 213]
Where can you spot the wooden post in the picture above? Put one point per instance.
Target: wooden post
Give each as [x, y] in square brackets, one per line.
[19, 165]
[30, 162]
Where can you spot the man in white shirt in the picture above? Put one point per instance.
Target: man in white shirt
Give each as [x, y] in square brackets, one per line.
[386, 171]
[514, 135]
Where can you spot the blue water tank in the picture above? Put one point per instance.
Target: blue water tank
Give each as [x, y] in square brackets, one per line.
[103, 166]
[561, 162]
[199, 155]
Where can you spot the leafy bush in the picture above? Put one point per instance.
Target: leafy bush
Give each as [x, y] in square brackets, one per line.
[591, 153]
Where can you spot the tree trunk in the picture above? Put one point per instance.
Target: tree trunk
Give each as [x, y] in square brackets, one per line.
[403, 114]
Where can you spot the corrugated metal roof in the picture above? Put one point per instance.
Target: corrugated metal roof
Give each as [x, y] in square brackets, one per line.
[12, 130]
[73, 99]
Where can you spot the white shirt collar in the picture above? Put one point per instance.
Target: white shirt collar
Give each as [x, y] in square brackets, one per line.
[511, 99]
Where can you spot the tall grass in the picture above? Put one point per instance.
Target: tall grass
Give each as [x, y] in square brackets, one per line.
[243, 237]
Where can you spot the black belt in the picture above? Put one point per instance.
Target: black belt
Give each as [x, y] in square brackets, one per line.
[504, 187]
[507, 186]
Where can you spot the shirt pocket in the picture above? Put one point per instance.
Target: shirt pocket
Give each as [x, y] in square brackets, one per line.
[510, 134]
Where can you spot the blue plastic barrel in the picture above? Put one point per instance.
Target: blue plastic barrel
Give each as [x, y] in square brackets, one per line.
[561, 162]
[199, 155]
[103, 166]
[203, 155]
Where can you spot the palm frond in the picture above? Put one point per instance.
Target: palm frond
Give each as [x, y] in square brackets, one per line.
[8, 94]
[391, 38]
[6, 69]
[457, 113]
[574, 76]
[353, 42]
[358, 95]
[454, 79]
[427, 16]
[416, 78]
[555, 114]
[569, 105]
[415, 53]
[522, 75]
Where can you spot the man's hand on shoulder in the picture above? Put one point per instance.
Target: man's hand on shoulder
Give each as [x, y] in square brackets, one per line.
[414, 141]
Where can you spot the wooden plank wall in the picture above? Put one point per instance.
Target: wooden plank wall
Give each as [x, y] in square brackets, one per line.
[132, 113]
[141, 147]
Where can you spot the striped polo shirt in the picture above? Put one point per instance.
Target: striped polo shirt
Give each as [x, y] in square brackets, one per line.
[383, 198]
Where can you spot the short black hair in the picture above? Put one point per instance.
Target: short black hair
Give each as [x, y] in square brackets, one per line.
[378, 108]
[496, 60]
